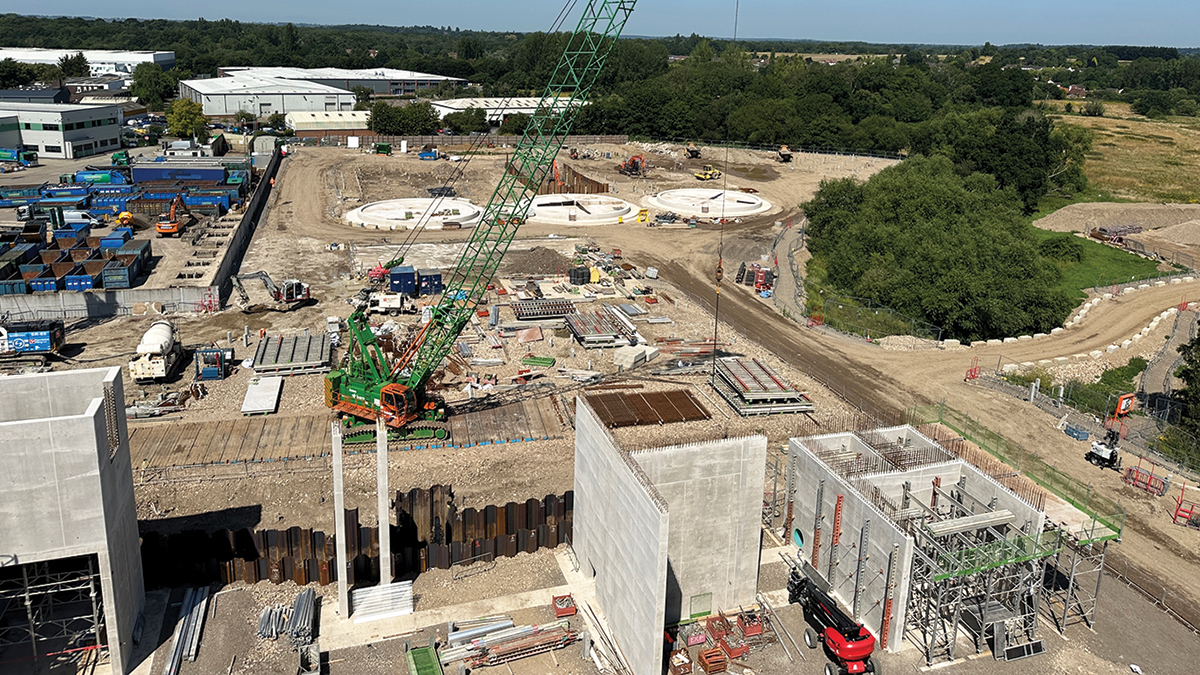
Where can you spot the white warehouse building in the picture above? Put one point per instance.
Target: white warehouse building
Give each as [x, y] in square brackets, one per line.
[379, 80]
[225, 96]
[66, 131]
[102, 61]
[496, 109]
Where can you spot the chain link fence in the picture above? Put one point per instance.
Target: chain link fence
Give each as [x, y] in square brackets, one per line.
[1085, 497]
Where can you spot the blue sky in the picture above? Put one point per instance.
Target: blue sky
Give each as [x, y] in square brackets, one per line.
[1159, 22]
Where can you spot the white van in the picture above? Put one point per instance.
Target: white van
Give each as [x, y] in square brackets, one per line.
[71, 216]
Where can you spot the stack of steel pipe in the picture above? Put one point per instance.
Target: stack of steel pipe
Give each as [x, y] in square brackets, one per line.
[300, 626]
[496, 638]
[271, 621]
[187, 631]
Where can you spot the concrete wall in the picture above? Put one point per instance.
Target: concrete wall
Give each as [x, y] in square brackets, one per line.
[65, 492]
[620, 536]
[714, 491]
[887, 544]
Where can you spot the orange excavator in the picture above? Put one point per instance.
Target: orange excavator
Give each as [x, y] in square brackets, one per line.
[168, 223]
[634, 166]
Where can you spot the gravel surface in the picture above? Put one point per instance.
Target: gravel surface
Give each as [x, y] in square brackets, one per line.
[1085, 216]
[482, 581]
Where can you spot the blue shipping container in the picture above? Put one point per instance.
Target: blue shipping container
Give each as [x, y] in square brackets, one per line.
[429, 281]
[142, 174]
[46, 281]
[14, 285]
[403, 280]
[31, 336]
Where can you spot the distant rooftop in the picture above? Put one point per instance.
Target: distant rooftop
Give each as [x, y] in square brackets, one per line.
[242, 83]
[391, 74]
[314, 121]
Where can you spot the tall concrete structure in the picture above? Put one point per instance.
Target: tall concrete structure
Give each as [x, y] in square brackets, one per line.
[915, 541]
[620, 533]
[67, 516]
[714, 491]
[669, 533]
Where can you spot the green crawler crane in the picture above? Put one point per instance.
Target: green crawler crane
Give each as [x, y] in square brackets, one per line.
[367, 389]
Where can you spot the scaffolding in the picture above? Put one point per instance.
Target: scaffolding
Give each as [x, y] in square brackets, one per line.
[1072, 582]
[53, 608]
[975, 573]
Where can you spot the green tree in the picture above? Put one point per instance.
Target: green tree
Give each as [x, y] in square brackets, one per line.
[467, 121]
[1187, 107]
[277, 121]
[1092, 109]
[186, 119]
[1189, 395]
[953, 250]
[514, 124]
[420, 119]
[1153, 103]
[385, 119]
[362, 97]
[470, 48]
[151, 85]
[243, 118]
[14, 74]
[74, 66]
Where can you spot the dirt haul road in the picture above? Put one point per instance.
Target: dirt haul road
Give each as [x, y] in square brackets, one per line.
[1157, 550]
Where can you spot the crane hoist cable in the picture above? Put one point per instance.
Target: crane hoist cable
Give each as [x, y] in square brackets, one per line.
[724, 199]
[460, 168]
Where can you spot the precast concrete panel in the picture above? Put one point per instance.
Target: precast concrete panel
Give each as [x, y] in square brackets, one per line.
[839, 564]
[620, 536]
[714, 491]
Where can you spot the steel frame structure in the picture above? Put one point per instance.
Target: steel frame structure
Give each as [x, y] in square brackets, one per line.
[985, 581]
[52, 600]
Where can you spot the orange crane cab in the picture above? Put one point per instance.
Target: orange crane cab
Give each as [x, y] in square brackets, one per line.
[168, 223]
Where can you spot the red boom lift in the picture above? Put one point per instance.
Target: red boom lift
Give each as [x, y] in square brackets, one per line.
[848, 643]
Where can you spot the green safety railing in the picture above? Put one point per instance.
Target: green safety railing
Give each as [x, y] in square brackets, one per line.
[964, 562]
[1107, 516]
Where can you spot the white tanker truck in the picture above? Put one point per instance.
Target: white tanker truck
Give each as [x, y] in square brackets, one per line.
[159, 353]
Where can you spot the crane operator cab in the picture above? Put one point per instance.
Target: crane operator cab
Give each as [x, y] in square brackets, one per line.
[398, 401]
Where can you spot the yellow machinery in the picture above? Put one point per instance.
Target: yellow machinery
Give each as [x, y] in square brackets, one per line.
[708, 173]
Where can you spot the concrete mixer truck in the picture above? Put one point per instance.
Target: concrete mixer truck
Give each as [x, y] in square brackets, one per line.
[159, 353]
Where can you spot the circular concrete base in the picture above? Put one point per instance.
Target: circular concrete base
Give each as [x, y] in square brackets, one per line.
[576, 209]
[408, 214]
[709, 203]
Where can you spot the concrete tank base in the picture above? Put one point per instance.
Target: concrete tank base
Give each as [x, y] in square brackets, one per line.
[710, 203]
[408, 214]
[577, 209]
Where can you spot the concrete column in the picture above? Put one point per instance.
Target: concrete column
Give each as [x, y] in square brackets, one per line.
[385, 519]
[339, 523]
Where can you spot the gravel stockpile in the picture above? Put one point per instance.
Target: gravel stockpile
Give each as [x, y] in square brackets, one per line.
[537, 260]
[1083, 217]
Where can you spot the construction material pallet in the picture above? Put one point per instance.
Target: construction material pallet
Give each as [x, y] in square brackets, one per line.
[746, 408]
[293, 355]
[659, 407]
[533, 310]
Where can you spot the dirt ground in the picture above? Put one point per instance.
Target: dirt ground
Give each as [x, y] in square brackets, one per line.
[295, 238]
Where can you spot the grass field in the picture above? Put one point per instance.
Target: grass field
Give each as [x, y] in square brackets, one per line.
[1135, 158]
[1101, 266]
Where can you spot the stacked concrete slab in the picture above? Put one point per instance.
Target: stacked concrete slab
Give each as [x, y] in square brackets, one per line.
[669, 533]
[66, 486]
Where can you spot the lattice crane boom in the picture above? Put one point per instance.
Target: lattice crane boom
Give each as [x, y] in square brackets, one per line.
[573, 78]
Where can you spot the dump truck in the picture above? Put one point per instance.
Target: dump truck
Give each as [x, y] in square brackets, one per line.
[159, 353]
[22, 157]
[692, 151]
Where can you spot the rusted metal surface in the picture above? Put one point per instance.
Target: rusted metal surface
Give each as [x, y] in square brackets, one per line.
[636, 409]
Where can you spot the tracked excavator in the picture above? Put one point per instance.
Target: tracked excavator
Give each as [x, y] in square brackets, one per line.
[634, 166]
[369, 386]
[168, 223]
[290, 292]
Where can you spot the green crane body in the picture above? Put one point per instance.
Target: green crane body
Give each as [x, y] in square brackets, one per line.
[367, 388]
